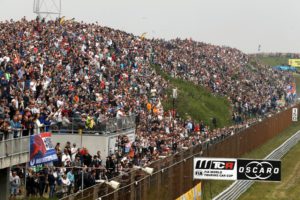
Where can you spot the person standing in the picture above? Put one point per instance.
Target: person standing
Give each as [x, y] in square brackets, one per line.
[65, 184]
[51, 182]
[70, 176]
[16, 127]
[42, 183]
[14, 185]
[30, 184]
[214, 122]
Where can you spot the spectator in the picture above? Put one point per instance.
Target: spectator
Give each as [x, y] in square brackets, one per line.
[14, 185]
[65, 184]
[214, 122]
[15, 126]
[41, 183]
[70, 176]
[65, 157]
[93, 77]
[51, 181]
[30, 184]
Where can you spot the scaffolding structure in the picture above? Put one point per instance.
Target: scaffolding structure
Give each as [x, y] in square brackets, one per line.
[47, 8]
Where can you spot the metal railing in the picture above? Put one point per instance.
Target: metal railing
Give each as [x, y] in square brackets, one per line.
[14, 147]
[235, 190]
[108, 126]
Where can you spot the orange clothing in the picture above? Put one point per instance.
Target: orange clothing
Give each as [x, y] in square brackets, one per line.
[149, 106]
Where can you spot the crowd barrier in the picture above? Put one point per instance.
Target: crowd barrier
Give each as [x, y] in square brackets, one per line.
[173, 175]
[108, 126]
[14, 147]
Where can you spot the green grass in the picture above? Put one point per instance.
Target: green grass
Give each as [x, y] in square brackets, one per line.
[288, 188]
[196, 102]
[213, 188]
[273, 60]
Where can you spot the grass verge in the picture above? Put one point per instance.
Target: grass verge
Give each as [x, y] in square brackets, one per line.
[289, 186]
[213, 188]
[273, 60]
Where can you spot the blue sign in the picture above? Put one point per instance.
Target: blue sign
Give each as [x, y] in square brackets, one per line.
[41, 149]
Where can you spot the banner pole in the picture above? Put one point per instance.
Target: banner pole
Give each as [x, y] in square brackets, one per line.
[82, 176]
[80, 132]
[25, 175]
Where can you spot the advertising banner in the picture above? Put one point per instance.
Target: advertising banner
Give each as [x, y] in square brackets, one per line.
[295, 114]
[193, 194]
[236, 169]
[259, 170]
[41, 149]
[215, 168]
[294, 62]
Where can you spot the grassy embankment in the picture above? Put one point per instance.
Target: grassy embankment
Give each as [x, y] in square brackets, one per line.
[196, 102]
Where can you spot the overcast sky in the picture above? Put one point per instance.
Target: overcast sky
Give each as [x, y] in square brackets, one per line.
[243, 24]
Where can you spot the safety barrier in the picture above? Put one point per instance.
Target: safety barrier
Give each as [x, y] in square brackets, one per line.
[108, 126]
[14, 147]
[235, 190]
[14, 151]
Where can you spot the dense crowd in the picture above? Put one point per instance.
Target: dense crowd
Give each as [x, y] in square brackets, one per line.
[62, 72]
[225, 71]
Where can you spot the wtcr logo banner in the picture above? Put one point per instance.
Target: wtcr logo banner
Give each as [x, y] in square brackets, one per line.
[236, 169]
[215, 168]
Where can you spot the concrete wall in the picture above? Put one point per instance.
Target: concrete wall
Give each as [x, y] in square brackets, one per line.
[93, 143]
[13, 152]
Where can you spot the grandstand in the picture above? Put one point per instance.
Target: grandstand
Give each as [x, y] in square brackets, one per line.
[64, 76]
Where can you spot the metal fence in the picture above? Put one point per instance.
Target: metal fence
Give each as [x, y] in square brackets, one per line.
[173, 175]
[235, 190]
[13, 147]
[76, 126]
[111, 125]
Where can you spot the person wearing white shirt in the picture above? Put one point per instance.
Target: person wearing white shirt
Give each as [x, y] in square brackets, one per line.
[120, 114]
[65, 157]
[65, 183]
[41, 69]
[33, 85]
[46, 82]
[59, 103]
[74, 151]
[37, 125]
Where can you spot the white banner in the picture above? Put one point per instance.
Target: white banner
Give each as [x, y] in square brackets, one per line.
[215, 168]
[295, 114]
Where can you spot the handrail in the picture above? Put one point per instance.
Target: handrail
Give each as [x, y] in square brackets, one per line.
[110, 126]
[14, 146]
